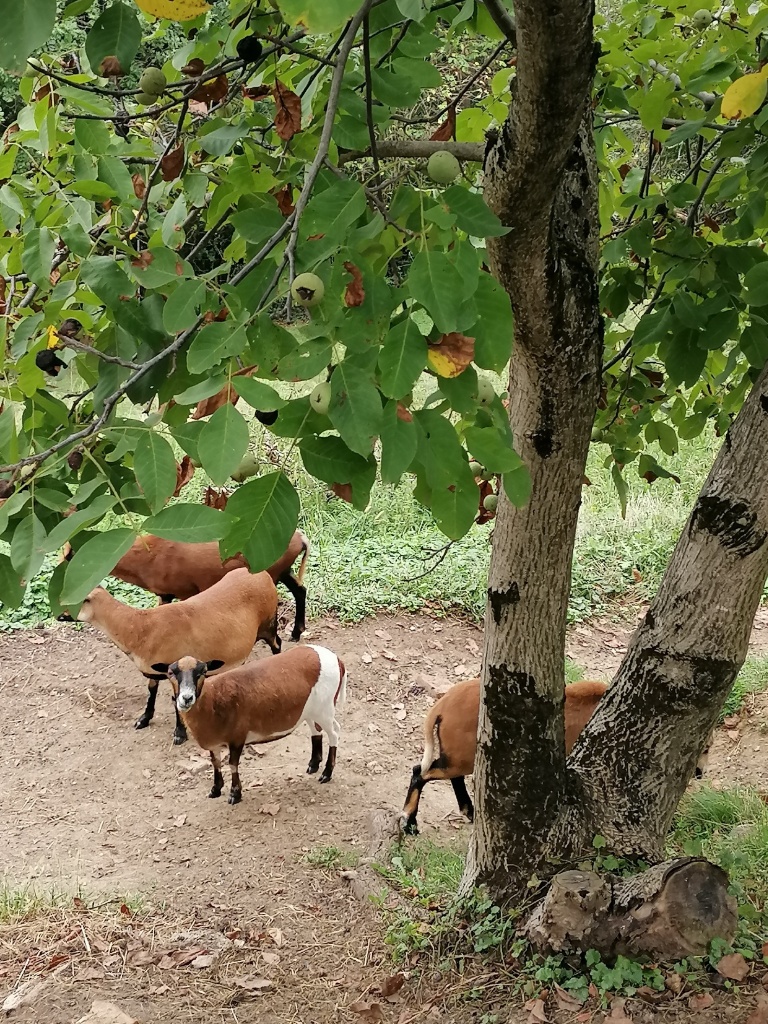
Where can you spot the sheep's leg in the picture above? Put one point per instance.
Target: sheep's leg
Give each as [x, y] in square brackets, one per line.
[462, 797]
[300, 597]
[271, 636]
[317, 749]
[236, 792]
[149, 710]
[333, 731]
[412, 799]
[180, 731]
[218, 778]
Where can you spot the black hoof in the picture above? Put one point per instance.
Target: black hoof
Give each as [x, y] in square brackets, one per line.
[142, 723]
[325, 778]
[179, 738]
[214, 793]
[312, 768]
[410, 828]
[470, 816]
[295, 636]
[235, 796]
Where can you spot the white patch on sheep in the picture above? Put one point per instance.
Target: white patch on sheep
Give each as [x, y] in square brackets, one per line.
[320, 707]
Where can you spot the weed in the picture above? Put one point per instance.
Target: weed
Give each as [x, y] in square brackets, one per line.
[752, 679]
[331, 857]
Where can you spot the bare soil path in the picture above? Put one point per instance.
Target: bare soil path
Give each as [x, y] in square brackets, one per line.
[87, 803]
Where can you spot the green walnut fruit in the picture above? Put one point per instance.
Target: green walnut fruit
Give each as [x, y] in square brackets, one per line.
[249, 466]
[320, 399]
[153, 81]
[476, 468]
[702, 19]
[308, 290]
[490, 502]
[485, 392]
[146, 99]
[443, 167]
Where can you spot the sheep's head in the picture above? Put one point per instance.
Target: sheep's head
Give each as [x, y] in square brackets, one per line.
[187, 676]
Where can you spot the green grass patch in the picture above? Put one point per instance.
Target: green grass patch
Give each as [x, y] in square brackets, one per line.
[752, 679]
[19, 903]
[331, 857]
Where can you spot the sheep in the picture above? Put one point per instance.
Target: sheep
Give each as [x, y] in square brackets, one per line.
[454, 721]
[172, 569]
[223, 622]
[260, 702]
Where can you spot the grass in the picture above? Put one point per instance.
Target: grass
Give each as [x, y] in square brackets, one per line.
[21, 903]
[752, 679]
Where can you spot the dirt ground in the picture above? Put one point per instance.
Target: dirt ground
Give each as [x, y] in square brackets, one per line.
[227, 921]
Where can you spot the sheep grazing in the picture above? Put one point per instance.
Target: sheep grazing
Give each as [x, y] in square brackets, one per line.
[172, 569]
[260, 702]
[453, 721]
[224, 622]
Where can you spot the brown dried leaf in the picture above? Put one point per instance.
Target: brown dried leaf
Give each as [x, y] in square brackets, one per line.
[368, 1011]
[125, 910]
[213, 92]
[143, 260]
[447, 130]
[254, 984]
[617, 1014]
[284, 197]
[760, 1013]
[215, 499]
[389, 986]
[3, 303]
[184, 473]
[355, 293]
[288, 111]
[195, 68]
[702, 1001]
[172, 163]
[451, 354]
[733, 966]
[106, 1013]
[566, 1000]
[201, 962]
[270, 809]
[674, 982]
[536, 1012]
[142, 958]
[277, 936]
[111, 67]
[343, 491]
[257, 92]
[139, 185]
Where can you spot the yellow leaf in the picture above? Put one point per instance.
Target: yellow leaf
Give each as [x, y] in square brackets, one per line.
[451, 355]
[53, 337]
[746, 95]
[174, 10]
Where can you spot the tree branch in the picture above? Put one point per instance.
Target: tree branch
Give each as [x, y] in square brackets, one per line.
[369, 94]
[690, 221]
[418, 149]
[707, 98]
[502, 19]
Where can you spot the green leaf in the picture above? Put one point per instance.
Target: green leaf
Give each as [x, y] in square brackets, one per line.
[267, 511]
[494, 329]
[189, 524]
[756, 285]
[218, 137]
[318, 18]
[399, 443]
[115, 33]
[187, 435]
[355, 408]
[155, 467]
[107, 280]
[158, 267]
[181, 308]
[258, 395]
[92, 562]
[214, 343]
[26, 27]
[454, 494]
[335, 210]
[256, 226]
[329, 459]
[472, 213]
[114, 173]
[39, 249]
[436, 283]
[491, 449]
[72, 524]
[223, 442]
[55, 584]
[517, 485]
[11, 587]
[754, 345]
[402, 359]
[28, 547]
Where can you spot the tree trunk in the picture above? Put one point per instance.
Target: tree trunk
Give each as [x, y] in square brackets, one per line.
[634, 759]
[674, 909]
[541, 179]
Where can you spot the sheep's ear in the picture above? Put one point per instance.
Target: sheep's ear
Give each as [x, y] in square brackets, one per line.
[161, 666]
[211, 666]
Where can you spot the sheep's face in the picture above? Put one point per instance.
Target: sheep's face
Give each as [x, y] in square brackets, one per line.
[187, 676]
[86, 610]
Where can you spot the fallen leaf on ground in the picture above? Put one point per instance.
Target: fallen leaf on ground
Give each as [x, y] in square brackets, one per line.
[206, 960]
[536, 1012]
[91, 974]
[389, 986]
[733, 966]
[368, 1011]
[617, 1014]
[276, 935]
[269, 809]
[760, 1013]
[566, 1000]
[254, 984]
[106, 1013]
[701, 1001]
[674, 982]
[270, 958]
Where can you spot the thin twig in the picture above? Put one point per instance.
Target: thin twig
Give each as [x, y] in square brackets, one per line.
[369, 94]
[649, 309]
[441, 553]
[79, 346]
[172, 142]
[690, 221]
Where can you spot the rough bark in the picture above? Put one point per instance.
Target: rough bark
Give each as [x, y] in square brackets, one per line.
[541, 181]
[674, 909]
[633, 761]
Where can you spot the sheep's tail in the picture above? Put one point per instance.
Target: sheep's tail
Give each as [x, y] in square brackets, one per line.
[305, 554]
[431, 727]
[341, 693]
